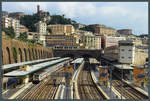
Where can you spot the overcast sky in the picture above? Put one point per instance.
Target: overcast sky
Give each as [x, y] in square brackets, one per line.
[119, 15]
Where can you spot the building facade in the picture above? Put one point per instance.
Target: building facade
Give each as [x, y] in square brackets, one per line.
[61, 29]
[102, 29]
[41, 28]
[125, 31]
[127, 51]
[23, 29]
[60, 40]
[112, 41]
[91, 41]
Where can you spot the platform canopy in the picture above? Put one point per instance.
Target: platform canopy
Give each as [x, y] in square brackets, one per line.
[78, 60]
[93, 61]
[8, 66]
[123, 66]
[34, 68]
[111, 59]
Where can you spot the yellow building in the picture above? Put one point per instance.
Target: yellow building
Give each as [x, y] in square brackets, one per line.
[61, 29]
[102, 29]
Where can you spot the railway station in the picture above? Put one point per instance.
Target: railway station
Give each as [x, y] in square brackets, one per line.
[66, 78]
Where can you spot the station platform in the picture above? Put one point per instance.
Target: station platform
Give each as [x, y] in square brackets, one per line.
[106, 89]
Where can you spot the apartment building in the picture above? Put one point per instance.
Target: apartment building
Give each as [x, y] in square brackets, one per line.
[102, 29]
[127, 51]
[91, 41]
[41, 28]
[59, 29]
[60, 40]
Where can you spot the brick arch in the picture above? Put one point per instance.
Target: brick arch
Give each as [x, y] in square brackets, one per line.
[8, 55]
[39, 53]
[29, 54]
[36, 54]
[15, 53]
[25, 55]
[20, 56]
[44, 54]
[33, 54]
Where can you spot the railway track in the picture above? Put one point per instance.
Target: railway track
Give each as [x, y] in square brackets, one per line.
[44, 90]
[127, 91]
[86, 87]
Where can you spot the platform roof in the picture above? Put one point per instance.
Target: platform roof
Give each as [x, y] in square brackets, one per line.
[78, 60]
[8, 66]
[123, 66]
[33, 68]
[109, 58]
[93, 61]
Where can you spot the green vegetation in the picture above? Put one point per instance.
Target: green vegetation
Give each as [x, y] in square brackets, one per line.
[9, 31]
[30, 20]
[60, 19]
[88, 28]
[15, 54]
[23, 37]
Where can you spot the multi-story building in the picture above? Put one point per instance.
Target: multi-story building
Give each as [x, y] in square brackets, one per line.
[23, 29]
[125, 31]
[60, 40]
[112, 41]
[6, 21]
[16, 25]
[32, 35]
[10, 22]
[36, 37]
[102, 29]
[59, 29]
[127, 51]
[145, 40]
[91, 41]
[41, 28]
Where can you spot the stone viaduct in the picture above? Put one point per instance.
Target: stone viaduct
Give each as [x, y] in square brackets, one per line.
[14, 51]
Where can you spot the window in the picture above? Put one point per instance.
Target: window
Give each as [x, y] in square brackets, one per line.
[129, 57]
[130, 50]
[122, 49]
[122, 57]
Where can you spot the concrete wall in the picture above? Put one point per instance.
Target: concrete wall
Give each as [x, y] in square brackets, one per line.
[14, 51]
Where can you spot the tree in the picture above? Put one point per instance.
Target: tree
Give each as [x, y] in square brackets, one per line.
[9, 31]
[88, 28]
[60, 19]
[23, 36]
[30, 20]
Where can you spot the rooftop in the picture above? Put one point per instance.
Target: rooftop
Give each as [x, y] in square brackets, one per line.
[78, 60]
[8, 66]
[123, 66]
[93, 61]
[33, 68]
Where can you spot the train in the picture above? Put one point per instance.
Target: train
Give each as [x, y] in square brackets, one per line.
[44, 73]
